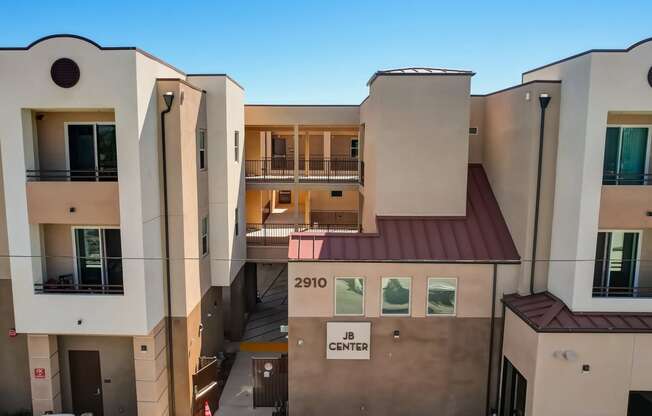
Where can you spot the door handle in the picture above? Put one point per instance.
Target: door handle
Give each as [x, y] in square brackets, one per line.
[98, 392]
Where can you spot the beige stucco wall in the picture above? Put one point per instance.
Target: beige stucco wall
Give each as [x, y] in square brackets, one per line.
[476, 141]
[116, 365]
[625, 207]
[593, 86]
[5, 271]
[51, 133]
[473, 283]
[187, 196]
[225, 116]
[322, 201]
[58, 247]
[619, 363]
[278, 115]
[418, 126]
[93, 202]
[510, 157]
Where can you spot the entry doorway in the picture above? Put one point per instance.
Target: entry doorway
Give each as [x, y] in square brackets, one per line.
[513, 391]
[86, 382]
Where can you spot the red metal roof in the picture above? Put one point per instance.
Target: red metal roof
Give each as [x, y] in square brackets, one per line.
[546, 313]
[481, 235]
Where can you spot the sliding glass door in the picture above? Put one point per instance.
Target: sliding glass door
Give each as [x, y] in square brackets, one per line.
[616, 264]
[625, 155]
[99, 257]
[513, 391]
[92, 153]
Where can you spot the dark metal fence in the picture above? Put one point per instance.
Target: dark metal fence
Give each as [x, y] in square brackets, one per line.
[77, 288]
[622, 292]
[308, 171]
[92, 175]
[270, 377]
[278, 234]
[613, 178]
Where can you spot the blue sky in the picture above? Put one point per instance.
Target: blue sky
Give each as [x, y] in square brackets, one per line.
[324, 51]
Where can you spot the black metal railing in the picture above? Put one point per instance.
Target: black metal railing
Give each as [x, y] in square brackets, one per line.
[622, 292]
[91, 175]
[614, 178]
[316, 170]
[278, 234]
[77, 288]
[270, 170]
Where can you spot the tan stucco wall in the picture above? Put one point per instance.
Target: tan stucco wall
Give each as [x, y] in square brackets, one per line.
[418, 126]
[438, 366]
[116, 365]
[187, 196]
[5, 270]
[473, 286]
[510, 157]
[625, 207]
[288, 115]
[50, 132]
[58, 249]
[618, 364]
[322, 201]
[14, 389]
[476, 141]
[93, 202]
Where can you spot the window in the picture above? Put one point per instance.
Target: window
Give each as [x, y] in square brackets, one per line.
[98, 257]
[616, 263]
[237, 220]
[441, 296]
[201, 145]
[284, 197]
[354, 148]
[91, 152]
[236, 141]
[395, 296]
[204, 236]
[336, 194]
[349, 296]
[625, 155]
[473, 131]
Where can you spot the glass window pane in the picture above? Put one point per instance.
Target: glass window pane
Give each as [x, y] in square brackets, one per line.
[349, 296]
[441, 296]
[89, 262]
[396, 295]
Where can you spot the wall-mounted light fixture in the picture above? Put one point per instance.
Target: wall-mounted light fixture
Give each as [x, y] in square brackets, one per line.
[567, 355]
[300, 342]
[397, 334]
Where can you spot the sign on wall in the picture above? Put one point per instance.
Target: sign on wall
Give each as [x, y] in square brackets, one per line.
[39, 373]
[348, 340]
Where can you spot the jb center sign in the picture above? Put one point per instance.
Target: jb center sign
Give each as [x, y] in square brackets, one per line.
[348, 340]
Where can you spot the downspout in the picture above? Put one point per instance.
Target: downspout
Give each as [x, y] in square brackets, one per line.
[491, 338]
[168, 97]
[544, 100]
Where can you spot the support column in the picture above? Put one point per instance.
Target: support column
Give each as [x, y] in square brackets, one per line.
[297, 197]
[150, 364]
[327, 152]
[296, 153]
[307, 209]
[307, 153]
[268, 144]
[262, 145]
[45, 378]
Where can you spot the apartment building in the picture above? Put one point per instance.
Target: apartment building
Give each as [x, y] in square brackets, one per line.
[444, 252]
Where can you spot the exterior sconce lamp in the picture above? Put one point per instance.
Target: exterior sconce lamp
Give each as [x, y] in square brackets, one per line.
[397, 334]
[168, 97]
[300, 342]
[567, 355]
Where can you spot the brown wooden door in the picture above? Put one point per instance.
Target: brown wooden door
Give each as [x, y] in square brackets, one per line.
[86, 382]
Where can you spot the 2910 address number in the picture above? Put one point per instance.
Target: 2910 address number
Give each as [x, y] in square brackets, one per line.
[307, 282]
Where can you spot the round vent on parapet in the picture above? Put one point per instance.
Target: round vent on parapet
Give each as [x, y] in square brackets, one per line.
[65, 72]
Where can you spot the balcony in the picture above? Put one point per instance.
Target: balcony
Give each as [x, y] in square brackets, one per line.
[282, 170]
[58, 175]
[632, 179]
[278, 234]
[622, 292]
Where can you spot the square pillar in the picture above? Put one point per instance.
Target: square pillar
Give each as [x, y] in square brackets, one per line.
[296, 153]
[45, 378]
[307, 209]
[150, 364]
[307, 153]
[297, 196]
[327, 152]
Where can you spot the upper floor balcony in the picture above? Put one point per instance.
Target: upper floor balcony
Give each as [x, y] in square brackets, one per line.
[317, 170]
[76, 169]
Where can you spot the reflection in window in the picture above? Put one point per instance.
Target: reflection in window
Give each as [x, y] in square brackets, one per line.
[396, 295]
[349, 296]
[441, 296]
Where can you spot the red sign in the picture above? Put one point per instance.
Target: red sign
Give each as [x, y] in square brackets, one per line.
[39, 373]
[12, 333]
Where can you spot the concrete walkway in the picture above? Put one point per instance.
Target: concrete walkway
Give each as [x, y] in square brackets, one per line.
[237, 398]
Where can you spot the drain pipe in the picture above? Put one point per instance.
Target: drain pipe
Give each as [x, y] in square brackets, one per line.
[168, 97]
[544, 100]
[491, 339]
